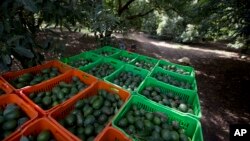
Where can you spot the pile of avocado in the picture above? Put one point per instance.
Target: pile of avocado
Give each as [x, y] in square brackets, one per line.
[166, 98]
[58, 94]
[80, 62]
[2, 92]
[124, 58]
[101, 70]
[42, 136]
[173, 68]
[28, 79]
[105, 53]
[144, 64]
[128, 80]
[91, 114]
[173, 81]
[11, 117]
[152, 126]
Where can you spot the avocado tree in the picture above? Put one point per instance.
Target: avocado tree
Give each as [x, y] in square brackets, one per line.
[21, 20]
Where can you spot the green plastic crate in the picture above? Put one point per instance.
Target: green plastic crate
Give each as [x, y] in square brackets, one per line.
[130, 55]
[147, 59]
[107, 49]
[190, 124]
[84, 55]
[178, 77]
[190, 97]
[188, 69]
[135, 70]
[115, 63]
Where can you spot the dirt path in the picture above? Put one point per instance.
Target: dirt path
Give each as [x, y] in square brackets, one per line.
[223, 79]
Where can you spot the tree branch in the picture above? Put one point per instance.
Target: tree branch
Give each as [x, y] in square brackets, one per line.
[119, 4]
[139, 15]
[124, 7]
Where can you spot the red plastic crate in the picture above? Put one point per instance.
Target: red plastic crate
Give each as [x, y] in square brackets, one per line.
[84, 77]
[5, 87]
[31, 113]
[36, 69]
[64, 110]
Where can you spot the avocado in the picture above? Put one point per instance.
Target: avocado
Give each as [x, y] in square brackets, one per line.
[174, 136]
[123, 123]
[98, 103]
[183, 137]
[79, 104]
[44, 136]
[25, 77]
[24, 138]
[9, 124]
[70, 119]
[47, 101]
[131, 129]
[89, 120]
[79, 118]
[99, 129]
[89, 130]
[183, 107]
[14, 114]
[130, 119]
[87, 111]
[65, 90]
[102, 119]
[166, 135]
[22, 120]
[175, 125]
[20, 85]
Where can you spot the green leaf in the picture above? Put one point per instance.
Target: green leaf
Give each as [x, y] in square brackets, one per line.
[14, 39]
[29, 5]
[6, 59]
[3, 66]
[24, 52]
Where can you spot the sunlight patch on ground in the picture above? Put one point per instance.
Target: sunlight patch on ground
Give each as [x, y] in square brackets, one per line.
[221, 53]
[203, 73]
[141, 38]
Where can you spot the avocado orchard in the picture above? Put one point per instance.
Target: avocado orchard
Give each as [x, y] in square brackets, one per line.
[179, 20]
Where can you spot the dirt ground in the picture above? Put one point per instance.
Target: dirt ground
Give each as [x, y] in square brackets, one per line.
[222, 76]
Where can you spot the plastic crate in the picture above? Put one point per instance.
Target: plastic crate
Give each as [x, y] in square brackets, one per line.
[34, 70]
[40, 125]
[135, 70]
[65, 109]
[130, 55]
[5, 87]
[188, 69]
[178, 77]
[191, 125]
[147, 59]
[108, 49]
[84, 55]
[190, 97]
[112, 134]
[86, 78]
[30, 112]
[115, 63]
